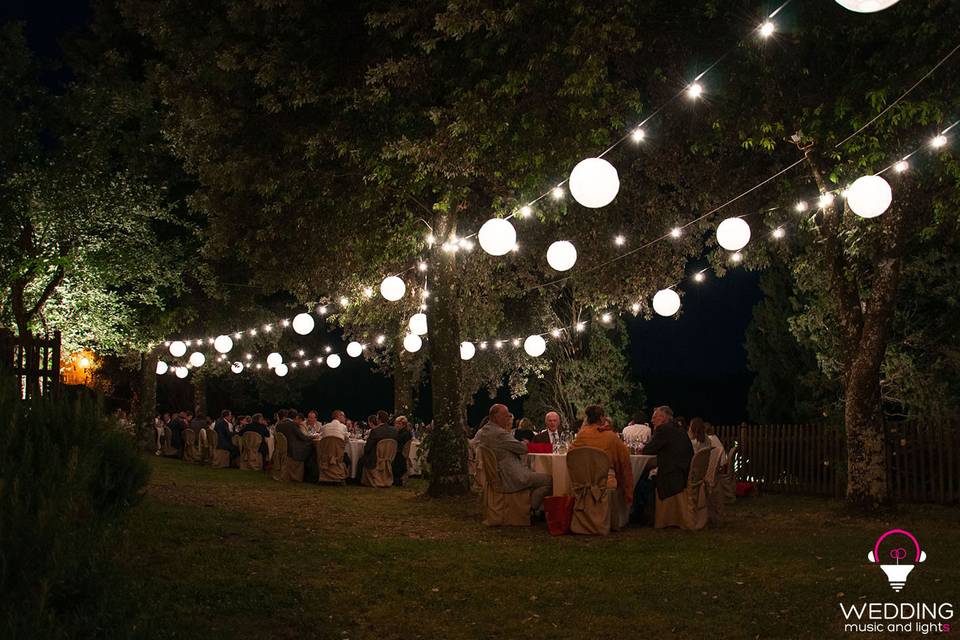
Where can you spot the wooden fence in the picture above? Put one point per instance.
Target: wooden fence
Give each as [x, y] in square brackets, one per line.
[923, 459]
[34, 362]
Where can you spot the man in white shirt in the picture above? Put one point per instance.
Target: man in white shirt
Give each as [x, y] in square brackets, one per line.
[638, 431]
[552, 432]
[336, 427]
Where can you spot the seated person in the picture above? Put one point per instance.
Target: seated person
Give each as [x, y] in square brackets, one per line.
[514, 475]
[177, 425]
[312, 425]
[377, 433]
[404, 435]
[698, 437]
[258, 425]
[299, 445]
[638, 431]
[337, 427]
[224, 428]
[674, 452]
[592, 434]
[551, 433]
[523, 432]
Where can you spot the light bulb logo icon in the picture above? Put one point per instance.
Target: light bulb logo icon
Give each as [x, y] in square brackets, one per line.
[897, 573]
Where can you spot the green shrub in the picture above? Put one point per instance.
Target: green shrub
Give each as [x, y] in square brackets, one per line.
[66, 478]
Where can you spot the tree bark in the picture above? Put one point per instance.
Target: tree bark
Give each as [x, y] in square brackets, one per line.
[404, 379]
[147, 409]
[199, 394]
[447, 452]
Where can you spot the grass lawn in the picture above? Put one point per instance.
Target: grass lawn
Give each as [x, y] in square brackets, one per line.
[214, 553]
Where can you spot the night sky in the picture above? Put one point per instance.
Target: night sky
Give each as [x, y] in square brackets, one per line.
[695, 363]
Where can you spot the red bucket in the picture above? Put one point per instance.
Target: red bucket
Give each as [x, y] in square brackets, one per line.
[559, 511]
[539, 447]
[747, 490]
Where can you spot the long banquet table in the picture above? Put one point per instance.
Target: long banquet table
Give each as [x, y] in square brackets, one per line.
[555, 464]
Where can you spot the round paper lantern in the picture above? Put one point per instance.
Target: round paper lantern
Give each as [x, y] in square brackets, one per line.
[561, 255]
[866, 6]
[223, 344]
[274, 359]
[392, 288]
[197, 359]
[236, 367]
[162, 367]
[182, 372]
[354, 349]
[594, 183]
[869, 196]
[303, 323]
[666, 302]
[177, 348]
[412, 343]
[733, 234]
[535, 346]
[467, 350]
[280, 369]
[333, 361]
[497, 236]
[418, 324]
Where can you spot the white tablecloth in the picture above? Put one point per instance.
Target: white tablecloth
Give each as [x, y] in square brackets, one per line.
[555, 464]
[354, 449]
[271, 441]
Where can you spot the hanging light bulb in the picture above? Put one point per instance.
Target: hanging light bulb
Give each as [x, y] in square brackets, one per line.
[411, 342]
[162, 367]
[281, 369]
[303, 323]
[467, 350]
[354, 349]
[177, 349]
[333, 361]
[392, 288]
[223, 344]
[666, 302]
[535, 346]
[869, 196]
[497, 236]
[866, 6]
[733, 234]
[594, 183]
[274, 359]
[197, 359]
[561, 255]
[236, 367]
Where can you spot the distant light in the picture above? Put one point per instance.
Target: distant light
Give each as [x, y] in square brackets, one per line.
[694, 90]
[555, 333]
[939, 141]
[498, 344]
[431, 239]
[319, 360]
[699, 277]
[675, 232]
[253, 332]
[638, 135]
[422, 266]
[557, 193]
[779, 233]
[425, 294]
[635, 307]
[249, 356]
[322, 310]
[381, 339]
[209, 340]
[800, 206]
[581, 326]
[285, 323]
[368, 292]
[826, 199]
[237, 335]
[84, 362]
[300, 353]
[267, 328]
[767, 29]
[344, 301]
[328, 349]
[901, 166]
[736, 256]
[483, 345]
[525, 211]
[605, 318]
[619, 241]
[515, 342]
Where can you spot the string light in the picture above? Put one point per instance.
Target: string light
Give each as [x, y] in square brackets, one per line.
[635, 307]
[515, 342]
[422, 266]
[525, 211]
[367, 292]
[581, 326]
[901, 166]
[555, 333]
[285, 322]
[605, 318]
[939, 141]
[344, 301]
[767, 29]
[826, 199]
[498, 344]
[779, 233]
[694, 90]
[557, 193]
[736, 256]
[638, 135]
[800, 206]
[676, 232]
[699, 277]
[381, 339]
[619, 241]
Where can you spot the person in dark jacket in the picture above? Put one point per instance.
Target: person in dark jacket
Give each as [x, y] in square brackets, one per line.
[177, 425]
[674, 452]
[225, 432]
[299, 444]
[259, 426]
[377, 433]
[404, 435]
[523, 432]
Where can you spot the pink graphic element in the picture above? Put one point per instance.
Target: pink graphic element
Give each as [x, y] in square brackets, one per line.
[898, 554]
[876, 547]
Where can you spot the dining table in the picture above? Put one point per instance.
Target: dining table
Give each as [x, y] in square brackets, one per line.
[354, 449]
[555, 465]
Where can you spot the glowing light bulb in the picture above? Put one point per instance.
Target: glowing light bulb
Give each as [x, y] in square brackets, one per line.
[422, 266]
[939, 141]
[800, 206]
[381, 339]
[767, 29]
[699, 277]
[619, 240]
[557, 193]
[825, 200]
[605, 318]
[675, 232]
[525, 211]
[555, 333]
[285, 323]
[736, 256]
[779, 233]
[581, 326]
[635, 307]
[901, 166]
[694, 90]
[515, 342]
[638, 135]
[431, 239]
[368, 292]
[498, 344]
[344, 301]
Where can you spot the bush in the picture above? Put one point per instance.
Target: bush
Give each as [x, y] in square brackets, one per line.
[66, 478]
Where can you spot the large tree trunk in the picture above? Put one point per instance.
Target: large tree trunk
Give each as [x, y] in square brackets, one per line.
[199, 394]
[404, 379]
[147, 408]
[447, 453]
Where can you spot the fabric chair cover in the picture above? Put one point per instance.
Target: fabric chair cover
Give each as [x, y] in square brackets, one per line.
[202, 446]
[382, 474]
[168, 448]
[191, 452]
[330, 459]
[279, 455]
[290, 470]
[473, 468]
[221, 457]
[250, 456]
[687, 509]
[588, 468]
[714, 495]
[728, 477]
[498, 508]
[406, 456]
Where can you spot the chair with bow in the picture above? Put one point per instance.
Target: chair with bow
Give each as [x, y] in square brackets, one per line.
[250, 457]
[221, 457]
[168, 448]
[330, 460]
[202, 446]
[714, 494]
[499, 508]
[381, 475]
[728, 477]
[190, 451]
[687, 509]
[588, 469]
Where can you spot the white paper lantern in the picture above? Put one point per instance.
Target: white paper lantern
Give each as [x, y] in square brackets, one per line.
[182, 372]
[666, 302]
[562, 255]
[733, 234]
[412, 343]
[177, 349]
[223, 344]
[236, 367]
[197, 359]
[418, 324]
[354, 349]
[535, 346]
[333, 361]
[869, 196]
[467, 350]
[280, 369]
[497, 236]
[303, 323]
[594, 183]
[392, 288]
[162, 367]
[274, 359]
[866, 6]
